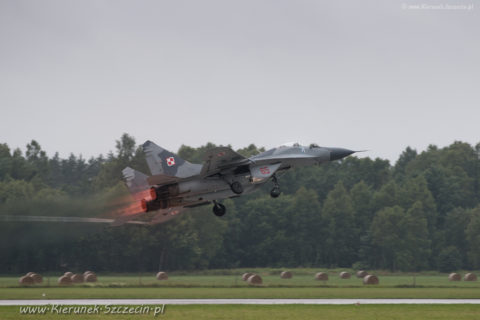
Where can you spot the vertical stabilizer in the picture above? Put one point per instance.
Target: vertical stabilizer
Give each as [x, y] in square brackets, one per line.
[161, 161]
[136, 182]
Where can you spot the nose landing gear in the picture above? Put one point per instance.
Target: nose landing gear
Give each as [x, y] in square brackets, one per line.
[276, 188]
[219, 209]
[275, 192]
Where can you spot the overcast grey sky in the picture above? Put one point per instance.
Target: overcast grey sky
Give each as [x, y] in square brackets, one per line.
[379, 75]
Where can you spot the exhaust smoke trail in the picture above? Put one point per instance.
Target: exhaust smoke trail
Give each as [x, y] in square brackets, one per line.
[10, 218]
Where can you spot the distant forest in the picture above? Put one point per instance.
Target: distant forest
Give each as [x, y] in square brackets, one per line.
[421, 213]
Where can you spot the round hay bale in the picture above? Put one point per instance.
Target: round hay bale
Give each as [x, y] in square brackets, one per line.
[91, 277]
[286, 275]
[65, 281]
[36, 277]
[254, 279]
[246, 275]
[470, 277]
[345, 275]
[454, 277]
[87, 272]
[370, 279]
[162, 276]
[29, 274]
[26, 281]
[362, 274]
[77, 278]
[68, 274]
[323, 276]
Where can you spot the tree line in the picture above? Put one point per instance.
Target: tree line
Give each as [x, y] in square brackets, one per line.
[421, 213]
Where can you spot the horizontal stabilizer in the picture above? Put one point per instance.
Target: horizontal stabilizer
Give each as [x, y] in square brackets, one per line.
[165, 215]
[127, 218]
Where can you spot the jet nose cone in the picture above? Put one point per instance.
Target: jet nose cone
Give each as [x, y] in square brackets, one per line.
[339, 153]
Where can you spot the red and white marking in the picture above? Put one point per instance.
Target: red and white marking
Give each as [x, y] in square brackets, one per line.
[170, 161]
[265, 170]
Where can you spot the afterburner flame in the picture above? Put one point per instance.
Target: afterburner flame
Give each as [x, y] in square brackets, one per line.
[133, 206]
[153, 193]
[145, 194]
[143, 205]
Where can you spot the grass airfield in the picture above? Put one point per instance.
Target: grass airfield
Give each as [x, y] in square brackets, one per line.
[255, 312]
[228, 284]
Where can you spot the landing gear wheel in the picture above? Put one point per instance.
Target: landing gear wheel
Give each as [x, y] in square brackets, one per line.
[236, 187]
[275, 192]
[276, 189]
[219, 209]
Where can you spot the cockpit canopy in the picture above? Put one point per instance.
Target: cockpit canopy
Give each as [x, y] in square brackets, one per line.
[296, 144]
[290, 144]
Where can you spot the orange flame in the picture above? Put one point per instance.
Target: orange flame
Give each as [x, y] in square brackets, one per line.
[133, 206]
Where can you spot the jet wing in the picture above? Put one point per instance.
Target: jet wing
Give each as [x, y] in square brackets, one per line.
[221, 158]
[160, 216]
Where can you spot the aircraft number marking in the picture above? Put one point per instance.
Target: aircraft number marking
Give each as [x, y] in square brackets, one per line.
[265, 170]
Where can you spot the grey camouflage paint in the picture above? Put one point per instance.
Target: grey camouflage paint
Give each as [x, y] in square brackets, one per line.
[188, 185]
[161, 161]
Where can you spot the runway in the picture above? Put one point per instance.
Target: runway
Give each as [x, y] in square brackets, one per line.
[233, 301]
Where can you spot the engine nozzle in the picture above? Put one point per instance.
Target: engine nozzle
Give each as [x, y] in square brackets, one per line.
[153, 193]
[144, 205]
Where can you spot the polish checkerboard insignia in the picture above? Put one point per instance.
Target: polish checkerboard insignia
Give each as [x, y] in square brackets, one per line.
[171, 161]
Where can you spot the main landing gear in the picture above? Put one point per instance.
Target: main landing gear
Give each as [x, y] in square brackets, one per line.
[276, 188]
[219, 209]
[236, 187]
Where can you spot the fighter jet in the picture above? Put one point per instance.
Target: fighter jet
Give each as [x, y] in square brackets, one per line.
[177, 185]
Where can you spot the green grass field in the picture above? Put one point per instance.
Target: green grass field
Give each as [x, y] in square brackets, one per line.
[228, 284]
[271, 278]
[246, 312]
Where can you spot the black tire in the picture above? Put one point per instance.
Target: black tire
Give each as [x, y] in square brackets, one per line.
[275, 192]
[219, 209]
[236, 187]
